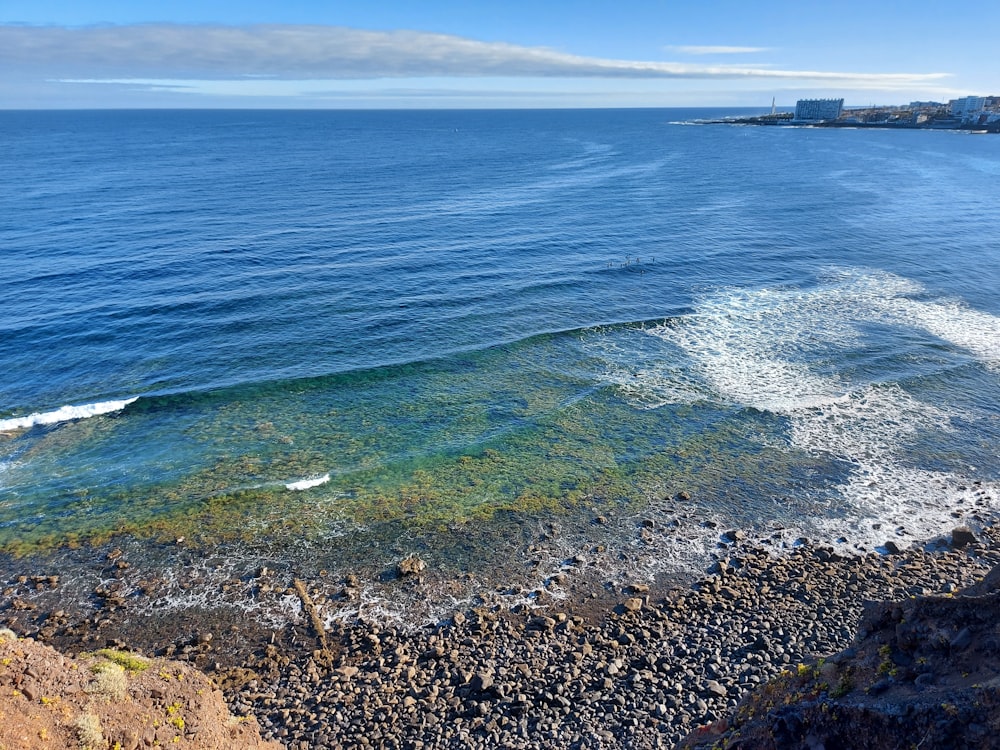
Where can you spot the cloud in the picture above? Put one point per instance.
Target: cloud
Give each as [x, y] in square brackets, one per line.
[711, 50]
[213, 52]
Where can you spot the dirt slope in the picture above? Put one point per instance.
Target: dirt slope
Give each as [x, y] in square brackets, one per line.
[111, 699]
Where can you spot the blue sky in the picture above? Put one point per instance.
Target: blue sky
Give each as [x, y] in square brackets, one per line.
[515, 53]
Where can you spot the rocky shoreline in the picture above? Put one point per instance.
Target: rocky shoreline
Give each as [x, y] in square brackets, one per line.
[617, 664]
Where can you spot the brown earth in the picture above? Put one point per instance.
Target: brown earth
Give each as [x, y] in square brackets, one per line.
[111, 699]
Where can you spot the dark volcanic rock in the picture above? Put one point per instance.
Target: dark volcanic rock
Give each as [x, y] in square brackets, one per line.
[962, 536]
[923, 672]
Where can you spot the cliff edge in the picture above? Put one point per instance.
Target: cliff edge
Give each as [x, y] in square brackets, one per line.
[921, 673]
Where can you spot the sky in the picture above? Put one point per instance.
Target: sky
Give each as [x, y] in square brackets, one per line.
[57, 54]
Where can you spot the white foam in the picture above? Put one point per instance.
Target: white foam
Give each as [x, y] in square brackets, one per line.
[783, 351]
[64, 414]
[867, 427]
[305, 484]
[886, 297]
[778, 349]
[976, 332]
[748, 347]
[197, 587]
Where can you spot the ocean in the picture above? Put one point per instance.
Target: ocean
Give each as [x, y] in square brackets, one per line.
[322, 340]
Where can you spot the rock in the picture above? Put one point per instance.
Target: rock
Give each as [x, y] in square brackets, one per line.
[713, 687]
[962, 639]
[961, 537]
[411, 566]
[542, 623]
[881, 686]
[481, 682]
[632, 604]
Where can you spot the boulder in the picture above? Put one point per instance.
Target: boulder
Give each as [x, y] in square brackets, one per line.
[411, 566]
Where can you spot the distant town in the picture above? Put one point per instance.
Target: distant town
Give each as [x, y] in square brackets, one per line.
[977, 114]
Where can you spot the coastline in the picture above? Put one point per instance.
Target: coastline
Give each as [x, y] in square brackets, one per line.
[786, 122]
[604, 664]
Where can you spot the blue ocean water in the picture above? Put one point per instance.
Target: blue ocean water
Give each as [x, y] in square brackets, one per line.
[347, 328]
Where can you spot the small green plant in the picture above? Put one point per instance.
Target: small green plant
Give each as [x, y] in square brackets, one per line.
[109, 681]
[174, 712]
[88, 731]
[844, 685]
[888, 666]
[125, 660]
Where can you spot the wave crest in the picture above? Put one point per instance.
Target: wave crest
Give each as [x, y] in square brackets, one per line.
[64, 414]
[305, 484]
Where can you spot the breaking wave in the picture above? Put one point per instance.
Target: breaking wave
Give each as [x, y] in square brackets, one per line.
[64, 414]
[305, 484]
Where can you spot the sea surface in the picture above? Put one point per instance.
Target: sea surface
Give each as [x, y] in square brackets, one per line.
[326, 339]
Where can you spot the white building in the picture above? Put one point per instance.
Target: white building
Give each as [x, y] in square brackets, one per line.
[813, 110]
[967, 106]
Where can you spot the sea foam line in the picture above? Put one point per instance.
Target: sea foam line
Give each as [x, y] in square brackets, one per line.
[65, 414]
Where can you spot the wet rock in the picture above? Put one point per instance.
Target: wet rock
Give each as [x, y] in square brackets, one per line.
[411, 566]
[961, 537]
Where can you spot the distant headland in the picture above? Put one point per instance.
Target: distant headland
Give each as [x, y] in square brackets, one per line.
[977, 114]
